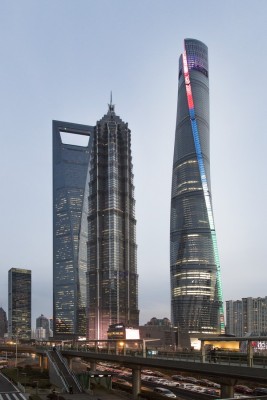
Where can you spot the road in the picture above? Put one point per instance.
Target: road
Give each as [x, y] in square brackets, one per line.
[8, 391]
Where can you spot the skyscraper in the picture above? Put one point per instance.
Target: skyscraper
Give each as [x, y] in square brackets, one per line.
[42, 327]
[94, 245]
[19, 303]
[112, 270]
[3, 323]
[196, 292]
[70, 231]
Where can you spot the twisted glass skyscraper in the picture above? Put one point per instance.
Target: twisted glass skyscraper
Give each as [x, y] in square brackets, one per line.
[196, 292]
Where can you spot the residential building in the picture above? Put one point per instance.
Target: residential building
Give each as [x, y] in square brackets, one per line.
[42, 327]
[247, 316]
[159, 322]
[19, 304]
[196, 290]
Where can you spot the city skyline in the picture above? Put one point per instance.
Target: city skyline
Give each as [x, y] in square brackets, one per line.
[58, 64]
[196, 288]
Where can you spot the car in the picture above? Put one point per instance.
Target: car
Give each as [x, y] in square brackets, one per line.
[243, 389]
[212, 392]
[187, 386]
[158, 374]
[198, 389]
[161, 381]
[177, 377]
[165, 392]
[190, 379]
[209, 383]
[121, 381]
[173, 384]
[260, 391]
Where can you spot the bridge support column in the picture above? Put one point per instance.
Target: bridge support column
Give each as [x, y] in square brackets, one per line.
[202, 350]
[70, 362]
[144, 348]
[136, 381]
[250, 354]
[227, 388]
[92, 365]
[43, 362]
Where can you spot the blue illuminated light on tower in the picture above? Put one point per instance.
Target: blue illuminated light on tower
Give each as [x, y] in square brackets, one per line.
[197, 304]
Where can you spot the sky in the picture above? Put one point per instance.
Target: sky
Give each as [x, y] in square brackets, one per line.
[60, 59]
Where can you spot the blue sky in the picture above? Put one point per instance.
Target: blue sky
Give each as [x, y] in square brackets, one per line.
[60, 60]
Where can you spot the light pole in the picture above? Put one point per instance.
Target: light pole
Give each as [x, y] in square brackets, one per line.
[25, 375]
[16, 359]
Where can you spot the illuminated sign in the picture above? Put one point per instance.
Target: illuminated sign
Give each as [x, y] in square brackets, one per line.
[259, 345]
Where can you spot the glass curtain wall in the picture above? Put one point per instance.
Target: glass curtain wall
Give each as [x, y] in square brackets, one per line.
[112, 273]
[196, 293]
[70, 235]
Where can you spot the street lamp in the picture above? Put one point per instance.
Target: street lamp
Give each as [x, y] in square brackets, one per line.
[16, 360]
[25, 375]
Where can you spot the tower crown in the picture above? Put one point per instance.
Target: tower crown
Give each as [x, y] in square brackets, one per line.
[111, 107]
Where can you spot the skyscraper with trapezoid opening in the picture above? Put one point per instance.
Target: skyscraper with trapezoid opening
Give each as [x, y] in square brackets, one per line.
[196, 290]
[70, 229]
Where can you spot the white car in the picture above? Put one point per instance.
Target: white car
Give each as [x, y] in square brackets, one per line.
[165, 392]
[187, 386]
[173, 384]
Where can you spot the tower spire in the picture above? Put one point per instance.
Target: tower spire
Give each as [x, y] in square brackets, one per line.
[111, 107]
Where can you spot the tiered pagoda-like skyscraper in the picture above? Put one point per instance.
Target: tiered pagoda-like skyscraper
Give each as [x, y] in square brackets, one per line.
[95, 271]
[112, 269]
[196, 292]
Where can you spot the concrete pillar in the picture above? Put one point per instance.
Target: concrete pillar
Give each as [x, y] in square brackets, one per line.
[144, 348]
[202, 350]
[70, 363]
[116, 348]
[136, 381]
[227, 391]
[92, 365]
[43, 362]
[250, 354]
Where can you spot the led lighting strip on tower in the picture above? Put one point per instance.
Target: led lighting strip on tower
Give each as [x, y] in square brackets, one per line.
[203, 178]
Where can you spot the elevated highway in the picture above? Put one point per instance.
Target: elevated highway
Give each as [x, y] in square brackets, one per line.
[226, 372]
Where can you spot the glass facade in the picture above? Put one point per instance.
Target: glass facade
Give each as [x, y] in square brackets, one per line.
[112, 270]
[70, 234]
[196, 293]
[19, 303]
[3, 323]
